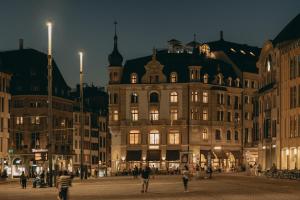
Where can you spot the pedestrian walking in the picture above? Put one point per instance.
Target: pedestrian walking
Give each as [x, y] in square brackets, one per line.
[23, 180]
[145, 173]
[185, 178]
[63, 183]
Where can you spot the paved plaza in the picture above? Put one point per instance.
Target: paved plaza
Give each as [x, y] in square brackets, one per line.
[221, 187]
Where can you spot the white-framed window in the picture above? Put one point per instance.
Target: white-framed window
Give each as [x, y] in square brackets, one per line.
[220, 97]
[154, 137]
[173, 97]
[237, 82]
[154, 114]
[134, 137]
[173, 77]
[115, 115]
[205, 134]
[35, 120]
[205, 97]
[205, 114]
[19, 120]
[133, 78]
[174, 137]
[174, 114]
[220, 115]
[134, 114]
[247, 99]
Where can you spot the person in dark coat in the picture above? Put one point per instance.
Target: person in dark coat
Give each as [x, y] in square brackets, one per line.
[23, 180]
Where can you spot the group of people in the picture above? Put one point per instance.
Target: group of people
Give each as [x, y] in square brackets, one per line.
[255, 169]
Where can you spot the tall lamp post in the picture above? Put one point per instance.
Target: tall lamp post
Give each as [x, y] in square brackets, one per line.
[50, 144]
[81, 115]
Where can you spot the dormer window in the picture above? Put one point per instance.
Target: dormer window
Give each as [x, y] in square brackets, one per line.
[173, 77]
[133, 78]
[205, 79]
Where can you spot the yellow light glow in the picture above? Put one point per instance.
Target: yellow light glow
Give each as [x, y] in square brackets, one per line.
[81, 61]
[49, 24]
[218, 148]
[287, 152]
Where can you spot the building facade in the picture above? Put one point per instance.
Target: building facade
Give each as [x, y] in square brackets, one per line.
[181, 107]
[279, 98]
[5, 98]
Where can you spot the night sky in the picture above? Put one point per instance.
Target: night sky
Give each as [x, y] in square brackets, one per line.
[88, 25]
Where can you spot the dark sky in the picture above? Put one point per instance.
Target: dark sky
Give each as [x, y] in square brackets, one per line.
[88, 25]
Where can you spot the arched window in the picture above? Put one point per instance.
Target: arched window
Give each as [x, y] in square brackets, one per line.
[229, 81]
[205, 79]
[237, 82]
[133, 78]
[228, 135]
[173, 97]
[154, 97]
[134, 137]
[134, 97]
[219, 79]
[173, 77]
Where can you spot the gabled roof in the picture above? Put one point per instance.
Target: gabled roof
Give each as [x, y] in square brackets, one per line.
[290, 32]
[179, 63]
[244, 56]
[30, 73]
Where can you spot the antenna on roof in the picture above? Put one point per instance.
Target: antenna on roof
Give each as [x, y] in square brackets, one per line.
[221, 35]
[154, 54]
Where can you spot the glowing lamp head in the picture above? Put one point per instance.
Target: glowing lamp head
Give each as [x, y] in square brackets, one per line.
[81, 62]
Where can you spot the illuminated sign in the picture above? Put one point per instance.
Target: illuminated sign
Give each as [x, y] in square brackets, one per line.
[40, 156]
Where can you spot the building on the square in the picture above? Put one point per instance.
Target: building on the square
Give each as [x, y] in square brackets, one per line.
[279, 99]
[178, 103]
[29, 111]
[95, 156]
[5, 98]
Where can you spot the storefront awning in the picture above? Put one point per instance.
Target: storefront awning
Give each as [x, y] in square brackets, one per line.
[172, 155]
[153, 155]
[134, 155]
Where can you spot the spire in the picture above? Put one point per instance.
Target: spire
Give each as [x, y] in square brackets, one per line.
[153, 53]
[115, 37]
[195, 49]
[115, 58]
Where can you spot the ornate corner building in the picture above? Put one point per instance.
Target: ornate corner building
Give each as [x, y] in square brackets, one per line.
[279, 99]
[194, 98]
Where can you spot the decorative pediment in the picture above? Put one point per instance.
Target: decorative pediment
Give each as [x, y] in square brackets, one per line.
[154, 71]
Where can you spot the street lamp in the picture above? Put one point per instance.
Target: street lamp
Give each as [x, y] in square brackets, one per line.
[50, 145]
[81, 114]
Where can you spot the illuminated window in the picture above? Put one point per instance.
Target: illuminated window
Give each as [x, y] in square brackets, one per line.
[174, 114]
[134, 97]
[19, 120]
[115, 115]
[173, 77]
[134, 137]
[154, 114]
[35, 119]
[205, 114]
[154, 137]
[205, 49]
[204, 134]
[205, 79]
[63, 122]
[174, 137]
[134, 114]
[195, 96]
[173, 97]
[133, 78]
[205, 97]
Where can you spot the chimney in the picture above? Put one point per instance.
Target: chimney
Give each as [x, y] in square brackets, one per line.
[21, 44]
[221, 35]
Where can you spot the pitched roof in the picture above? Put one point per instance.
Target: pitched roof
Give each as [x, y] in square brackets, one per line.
[244, 56]
[179, 63]
[290, 32]
[30, 73]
